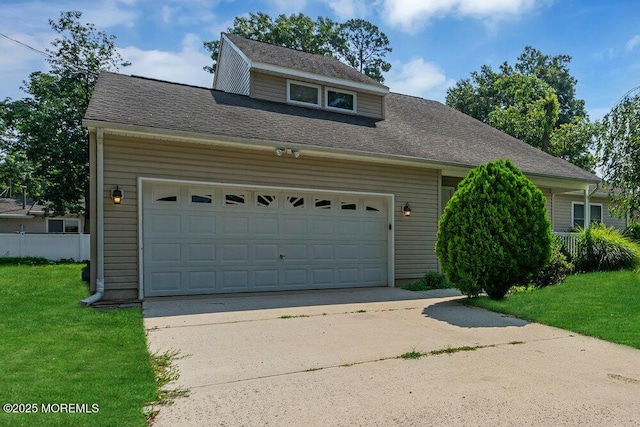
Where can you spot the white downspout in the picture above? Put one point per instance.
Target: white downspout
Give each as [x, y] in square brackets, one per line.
[97, 296]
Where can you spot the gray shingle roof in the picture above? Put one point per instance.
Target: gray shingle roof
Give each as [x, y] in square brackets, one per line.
[298, 60]
[13, 206]
[414, 128]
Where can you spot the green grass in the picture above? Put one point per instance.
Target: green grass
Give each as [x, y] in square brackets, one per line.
[55, 351]
[604, 305]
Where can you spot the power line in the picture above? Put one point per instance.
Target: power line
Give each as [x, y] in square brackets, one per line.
[26, 45]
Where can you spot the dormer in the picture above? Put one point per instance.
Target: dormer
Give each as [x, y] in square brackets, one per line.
[275, 73]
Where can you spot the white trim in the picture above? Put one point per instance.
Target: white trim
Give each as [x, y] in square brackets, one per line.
[318, 89]
[347, 92]
[142, 180]
[573, 220]
[318, 77]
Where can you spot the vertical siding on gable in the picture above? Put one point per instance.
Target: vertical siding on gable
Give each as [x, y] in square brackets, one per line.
[126, 159]
[232, 74]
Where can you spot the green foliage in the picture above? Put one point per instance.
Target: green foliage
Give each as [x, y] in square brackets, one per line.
[529, 109]
[45, 128]
[619, 150]
[557, 269]
[573, 142]
[357, 42]
[602, 248]
[366, 48]
[632, 232]
[431, 280]
[530, 101]
[25, 261]
[494, 232]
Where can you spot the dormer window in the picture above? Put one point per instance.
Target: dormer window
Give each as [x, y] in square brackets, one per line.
[303, 93]
[341, 100]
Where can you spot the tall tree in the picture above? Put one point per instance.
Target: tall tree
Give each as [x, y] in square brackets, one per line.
[47, 125]
[366, 48]
[619, 150]
[531, 101]
[358, 43]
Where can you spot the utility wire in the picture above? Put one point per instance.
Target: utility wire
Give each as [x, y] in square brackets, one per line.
[26, 45]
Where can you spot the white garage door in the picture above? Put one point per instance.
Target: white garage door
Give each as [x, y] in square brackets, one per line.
[213, 239]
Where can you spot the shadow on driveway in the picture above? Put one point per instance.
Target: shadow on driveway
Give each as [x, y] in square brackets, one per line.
[457, 314]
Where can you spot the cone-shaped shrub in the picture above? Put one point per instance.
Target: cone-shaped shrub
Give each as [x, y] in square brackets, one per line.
[494, 231]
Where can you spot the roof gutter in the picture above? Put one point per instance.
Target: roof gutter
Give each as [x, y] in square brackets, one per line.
[97, 296]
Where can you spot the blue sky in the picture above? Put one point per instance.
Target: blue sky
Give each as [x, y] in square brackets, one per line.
[435, 42]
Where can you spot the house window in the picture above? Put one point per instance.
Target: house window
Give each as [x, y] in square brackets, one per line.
[63, 226]
[303, 93]
[342, 100]
[578, 213]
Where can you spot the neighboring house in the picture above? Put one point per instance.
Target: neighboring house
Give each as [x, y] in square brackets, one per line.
[27, 230]
[294, 172]
[19, 215]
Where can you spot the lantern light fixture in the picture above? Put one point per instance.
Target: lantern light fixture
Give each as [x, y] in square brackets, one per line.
[117, 195]
[406, 209]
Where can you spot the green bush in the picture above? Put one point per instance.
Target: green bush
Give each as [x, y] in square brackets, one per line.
[606, 249]
[494, 232]
[431, 280]
[25, 261]
[632, 232]
[557, 269]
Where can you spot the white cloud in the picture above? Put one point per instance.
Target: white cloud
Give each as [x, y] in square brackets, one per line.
[348, 9]
[633, 43]
[180, 67]
[418, 78]
[410, 15]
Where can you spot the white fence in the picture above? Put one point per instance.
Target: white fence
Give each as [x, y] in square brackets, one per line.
[50, 246]
[570, 240]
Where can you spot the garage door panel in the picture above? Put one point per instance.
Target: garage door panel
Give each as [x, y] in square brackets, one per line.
[208, 239]
[265, 252]
[266, 279]
[235, 252]
[201, 252]
[234, 226]
[201, 225]
[201, 280]
[235, 280]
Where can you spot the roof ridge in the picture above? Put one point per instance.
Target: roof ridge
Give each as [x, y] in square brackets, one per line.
[280, 46]
[153, 79]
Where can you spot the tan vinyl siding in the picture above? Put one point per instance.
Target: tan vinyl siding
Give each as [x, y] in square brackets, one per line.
[370, 105]
[268, 87]
[274, 88]
[563, 212]
[128, 159]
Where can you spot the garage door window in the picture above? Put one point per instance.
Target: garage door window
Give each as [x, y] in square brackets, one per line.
[295, 202]
[266, 201]
[348, 205]
[373, 206]
[323, 204]
[234, 199]
[162, 195]
[198, 198]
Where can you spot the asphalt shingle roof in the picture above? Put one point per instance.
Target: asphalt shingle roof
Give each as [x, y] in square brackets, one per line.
[298, 60]
[414, 128]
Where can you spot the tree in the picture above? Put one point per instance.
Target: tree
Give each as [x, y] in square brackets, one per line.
[357, 42]
[618, 147]
[528, 109]
[47, 126]
[516, 99]
[574, 142]
[367, 47]
[494, 232]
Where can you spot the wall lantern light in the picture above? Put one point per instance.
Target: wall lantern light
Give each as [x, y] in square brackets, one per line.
[117, 195]
[406, 209]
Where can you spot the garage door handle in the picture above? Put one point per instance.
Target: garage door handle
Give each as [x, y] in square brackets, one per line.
[282, 256]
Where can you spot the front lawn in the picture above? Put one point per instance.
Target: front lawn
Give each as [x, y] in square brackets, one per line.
[60, 357]
[603, 305]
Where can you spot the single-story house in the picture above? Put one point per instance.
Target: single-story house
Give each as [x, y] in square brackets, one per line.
[293, 172]
[26, 215]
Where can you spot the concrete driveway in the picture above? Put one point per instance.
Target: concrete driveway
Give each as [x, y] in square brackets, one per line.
[329, 358]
